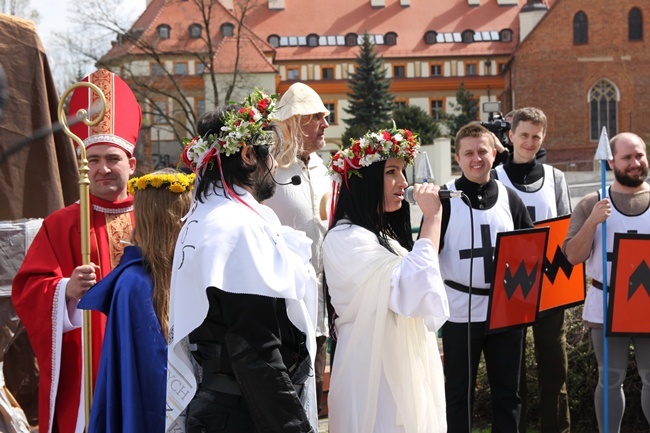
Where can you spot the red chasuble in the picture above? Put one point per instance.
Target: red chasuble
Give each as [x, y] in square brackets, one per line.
[38, 294]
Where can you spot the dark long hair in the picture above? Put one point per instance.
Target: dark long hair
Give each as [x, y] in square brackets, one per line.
[362, 202]
[234, 169]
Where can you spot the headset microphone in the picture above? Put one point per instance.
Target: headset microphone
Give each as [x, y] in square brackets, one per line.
[444, 194]
[295, 180]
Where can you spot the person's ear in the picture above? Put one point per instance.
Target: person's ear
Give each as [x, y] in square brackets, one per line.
[248, 155]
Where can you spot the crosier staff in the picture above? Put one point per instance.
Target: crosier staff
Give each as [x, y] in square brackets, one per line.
[84, 208]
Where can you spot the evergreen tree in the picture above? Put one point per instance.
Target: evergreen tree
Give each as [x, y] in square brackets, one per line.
[417, 120]
[468, 108]
[370, 103]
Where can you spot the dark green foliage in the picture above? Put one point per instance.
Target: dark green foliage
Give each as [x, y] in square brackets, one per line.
[370, 102]
[417, 120]
[464, 111]
[581, 384]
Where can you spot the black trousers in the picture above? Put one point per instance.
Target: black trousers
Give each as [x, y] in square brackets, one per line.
[549, 333]
[502, 352]
[213, 411]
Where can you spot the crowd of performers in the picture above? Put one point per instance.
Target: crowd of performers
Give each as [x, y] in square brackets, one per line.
[210, 288]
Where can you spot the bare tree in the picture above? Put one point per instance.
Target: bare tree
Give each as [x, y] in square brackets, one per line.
[104, 22]
[19, 8]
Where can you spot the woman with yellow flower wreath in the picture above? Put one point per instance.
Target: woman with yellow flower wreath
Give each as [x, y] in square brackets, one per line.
[131, 380]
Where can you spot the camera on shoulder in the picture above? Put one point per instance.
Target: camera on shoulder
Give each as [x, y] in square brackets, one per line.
[496, 123]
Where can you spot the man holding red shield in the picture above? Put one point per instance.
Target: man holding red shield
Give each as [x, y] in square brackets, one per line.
[544, 191]
[627, 209]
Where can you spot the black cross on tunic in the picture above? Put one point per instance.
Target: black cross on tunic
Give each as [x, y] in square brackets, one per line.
[610, 256]
[486, 251]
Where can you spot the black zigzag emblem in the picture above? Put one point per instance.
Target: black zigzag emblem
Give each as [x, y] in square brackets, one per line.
[520, 278]
[640, 277]
[560, 261]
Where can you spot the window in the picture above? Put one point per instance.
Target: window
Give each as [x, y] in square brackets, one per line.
[351, 39]
[157, 70]
[195, 31]
[331, 106]
[159, 111]
[200, 68]
[200, 107]
[437, 111]
[435, 70]
[399, 71]
[430, 37]
[312, 40]
[227, 29]
[635, 24]
[164, 31]
[471, 69]
[180, 68]
[501, 67]
[505, 35]
[603, 99]
[390, 38]
[293, 74]
[580, 28]
[327, 73]
[274, 41]
[468, 36]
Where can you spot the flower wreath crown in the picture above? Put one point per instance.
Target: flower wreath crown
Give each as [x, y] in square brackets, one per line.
[175, 182]
[373, 147]
[241, 127]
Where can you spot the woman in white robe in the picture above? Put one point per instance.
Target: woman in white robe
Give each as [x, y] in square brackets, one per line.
[387, 293]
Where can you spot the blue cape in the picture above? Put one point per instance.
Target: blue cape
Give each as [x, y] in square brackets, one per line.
[131, 381]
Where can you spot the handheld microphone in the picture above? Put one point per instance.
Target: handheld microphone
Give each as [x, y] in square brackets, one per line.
[444, 194]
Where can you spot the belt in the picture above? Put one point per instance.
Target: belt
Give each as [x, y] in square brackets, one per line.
[461, 288]
[221, 383]
[597, 284]
[228, 385]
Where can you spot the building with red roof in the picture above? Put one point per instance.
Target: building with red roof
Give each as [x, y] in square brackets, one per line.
[429, 49]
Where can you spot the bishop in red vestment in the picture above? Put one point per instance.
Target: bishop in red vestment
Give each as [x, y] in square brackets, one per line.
[52, 278]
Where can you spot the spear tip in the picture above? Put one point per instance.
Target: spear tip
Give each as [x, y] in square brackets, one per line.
[603, 152]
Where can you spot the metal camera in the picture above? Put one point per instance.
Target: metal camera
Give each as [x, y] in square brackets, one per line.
[496, 123]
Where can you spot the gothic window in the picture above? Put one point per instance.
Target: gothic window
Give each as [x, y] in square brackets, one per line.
[580, 28]
[603, 111]
[635, 24]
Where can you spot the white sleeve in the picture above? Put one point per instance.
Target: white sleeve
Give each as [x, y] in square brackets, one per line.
[417, 289]
[72, 317]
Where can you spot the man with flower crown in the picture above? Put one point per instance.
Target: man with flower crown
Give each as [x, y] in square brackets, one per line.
[243, 292]
[52, 279]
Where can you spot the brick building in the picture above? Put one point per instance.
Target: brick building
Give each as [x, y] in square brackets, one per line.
[429, 48]
[586, 64]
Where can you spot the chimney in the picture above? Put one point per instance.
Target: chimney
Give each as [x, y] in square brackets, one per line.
[275, 5]
[378, 3]
[529, 16]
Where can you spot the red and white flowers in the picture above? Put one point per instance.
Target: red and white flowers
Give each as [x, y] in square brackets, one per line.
[373, 147]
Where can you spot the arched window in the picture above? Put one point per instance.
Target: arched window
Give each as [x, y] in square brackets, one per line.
[505, 35]
[195, 31]
[430, 37]
[274, 41]
[635, 24]
[603, 101]
[580, 28]
[227, 29]
[468, 36]
[390, 38]
[351, 39]
[312, 40]
[164, 31]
